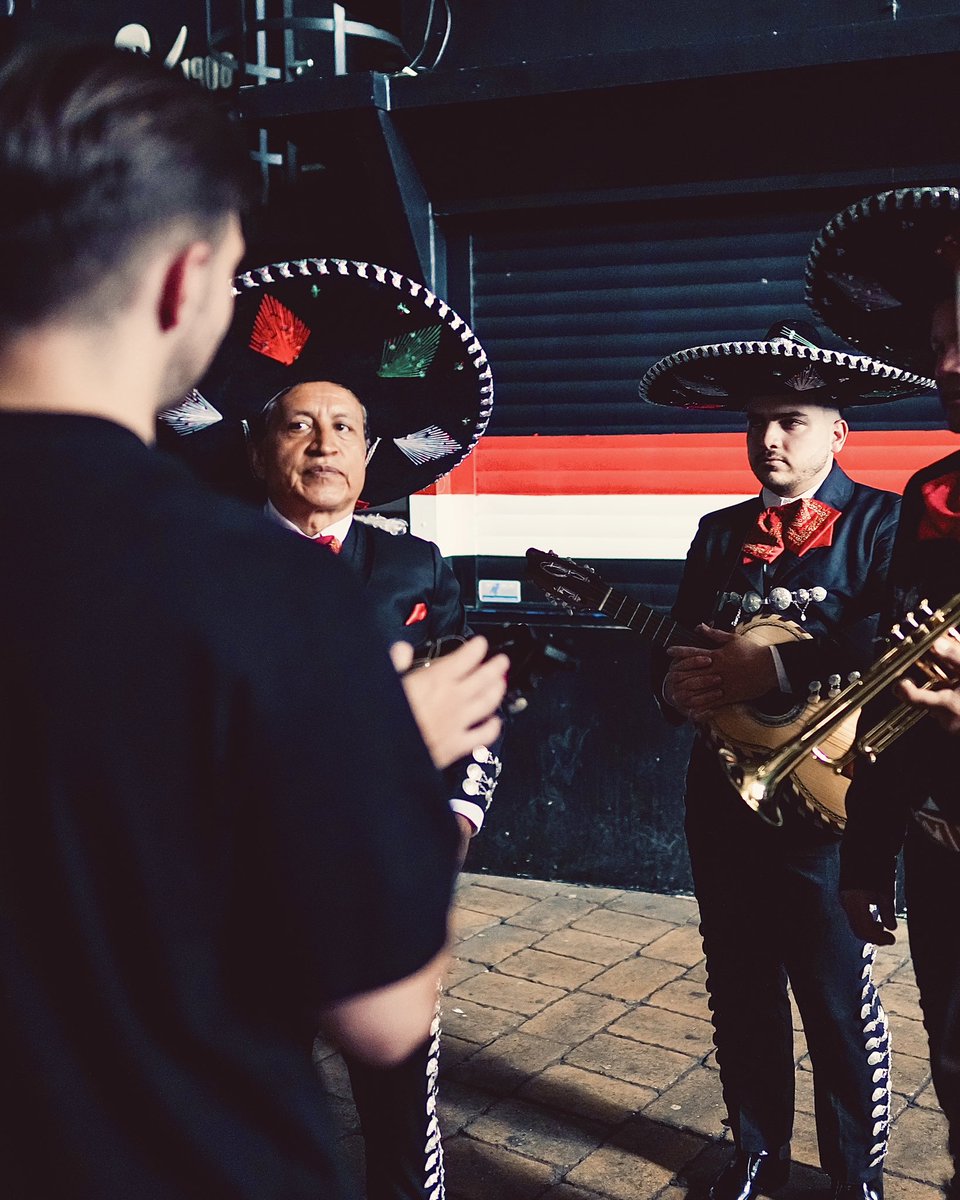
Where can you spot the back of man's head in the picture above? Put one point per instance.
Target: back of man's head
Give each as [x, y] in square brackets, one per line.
[102, 155]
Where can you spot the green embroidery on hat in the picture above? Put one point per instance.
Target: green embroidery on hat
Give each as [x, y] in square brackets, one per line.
[409, 355]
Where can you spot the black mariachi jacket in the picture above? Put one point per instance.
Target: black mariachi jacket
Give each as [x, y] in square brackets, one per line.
[920, 766]
[852, 571]
[416, 598]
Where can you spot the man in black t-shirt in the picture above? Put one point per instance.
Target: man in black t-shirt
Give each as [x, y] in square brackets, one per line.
[194, 864]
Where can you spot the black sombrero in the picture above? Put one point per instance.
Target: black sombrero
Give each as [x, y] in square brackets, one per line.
[728, 375]
[415, 365]
[877, 269]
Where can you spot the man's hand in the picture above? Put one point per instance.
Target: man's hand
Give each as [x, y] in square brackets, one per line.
[943, 703]
[700, 680]
[454, 700]
[871, 915]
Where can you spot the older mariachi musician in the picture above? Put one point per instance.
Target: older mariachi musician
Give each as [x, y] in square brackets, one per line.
[812, 548]
[340, 350]
[882, 275]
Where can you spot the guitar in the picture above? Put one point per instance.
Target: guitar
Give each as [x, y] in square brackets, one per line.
[751, 728]
[532, 656]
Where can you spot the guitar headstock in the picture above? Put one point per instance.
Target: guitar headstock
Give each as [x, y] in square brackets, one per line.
[575, 587]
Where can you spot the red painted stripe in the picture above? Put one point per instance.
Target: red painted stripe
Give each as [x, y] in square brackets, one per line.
[668, 463]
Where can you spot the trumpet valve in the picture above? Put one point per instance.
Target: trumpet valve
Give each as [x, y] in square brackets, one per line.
[833, 686]
[813, 691]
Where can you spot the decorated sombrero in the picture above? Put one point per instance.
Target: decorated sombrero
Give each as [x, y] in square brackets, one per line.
[413, 363]
[878, 268]
[727, 375]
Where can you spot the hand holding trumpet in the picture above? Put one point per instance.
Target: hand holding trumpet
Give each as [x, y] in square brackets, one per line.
[943, 703]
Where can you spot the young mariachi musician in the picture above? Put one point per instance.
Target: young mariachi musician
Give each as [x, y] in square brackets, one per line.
[882, 275]
[358, 386]
[812, 548]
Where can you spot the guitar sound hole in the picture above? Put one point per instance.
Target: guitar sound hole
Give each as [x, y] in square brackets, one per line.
[776, 708]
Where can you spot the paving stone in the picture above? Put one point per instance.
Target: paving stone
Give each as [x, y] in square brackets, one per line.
[489, 900]
[889, 960]
[660, 1027]
[908, 1075]
[589, 891]
[904, 974]
[684, 995]
[538, 888]
[334, 1077]
[491, 946]
[678, 910]
[507, 991]
[649, 1066]
[476, 1022]
[695, 1103]
[591, 947]
[640, 1171]
[634, 979]
[682, 945]
[909, 1037]
[901, 1000]
[459, 970]
[509, 1062]
[698, 973]
[465, 922]
[557, 970]
[322, 1050]
[895, 1188]
[919, 1148]
[529, 1129]
[553, 913]
[598, 1097]
[803, 1144]
[926, 1097]
[453, 1051]
[626, 926]
[478, 1171]
[574, 1018]
[563, 1191]
[459, 1104]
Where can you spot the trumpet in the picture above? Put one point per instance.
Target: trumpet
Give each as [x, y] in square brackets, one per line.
[757, 782]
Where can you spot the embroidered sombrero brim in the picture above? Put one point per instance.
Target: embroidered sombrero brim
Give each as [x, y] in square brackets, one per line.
[876, 270]
[728, 375]
[410, 359]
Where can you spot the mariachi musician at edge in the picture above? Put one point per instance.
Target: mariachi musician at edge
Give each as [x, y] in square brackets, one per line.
[811, 548]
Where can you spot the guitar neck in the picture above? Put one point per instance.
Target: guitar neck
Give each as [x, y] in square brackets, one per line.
[657, 627]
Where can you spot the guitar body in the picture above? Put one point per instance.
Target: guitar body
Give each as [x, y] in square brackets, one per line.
[751, 729]
[754, 728]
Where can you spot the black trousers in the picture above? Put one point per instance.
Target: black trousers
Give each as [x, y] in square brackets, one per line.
[770, 913]
[932, 884]
[397, 1107]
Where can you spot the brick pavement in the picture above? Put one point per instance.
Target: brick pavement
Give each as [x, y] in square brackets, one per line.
[578, 1064]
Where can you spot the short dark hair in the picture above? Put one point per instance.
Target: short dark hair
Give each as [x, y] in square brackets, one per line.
[101, 153]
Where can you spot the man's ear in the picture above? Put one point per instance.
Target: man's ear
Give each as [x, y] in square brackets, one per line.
[840, 431]
[182, 284]
[255, 459]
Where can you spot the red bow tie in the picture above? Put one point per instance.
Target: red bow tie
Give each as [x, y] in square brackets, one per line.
[799, 526]
[941, 500]
[330, 542]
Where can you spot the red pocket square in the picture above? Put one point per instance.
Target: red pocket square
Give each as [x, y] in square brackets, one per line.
[417, 613]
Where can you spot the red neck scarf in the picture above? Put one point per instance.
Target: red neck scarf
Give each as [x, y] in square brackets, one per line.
[799, 526]
[941, 502]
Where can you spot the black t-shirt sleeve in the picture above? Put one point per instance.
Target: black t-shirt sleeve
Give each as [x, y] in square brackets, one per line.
[350, 842]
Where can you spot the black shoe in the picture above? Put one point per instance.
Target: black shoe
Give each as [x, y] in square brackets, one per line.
[749, 1175]
[857, 1191]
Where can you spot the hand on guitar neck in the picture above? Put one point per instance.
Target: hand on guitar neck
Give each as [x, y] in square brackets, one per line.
[701, 680]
